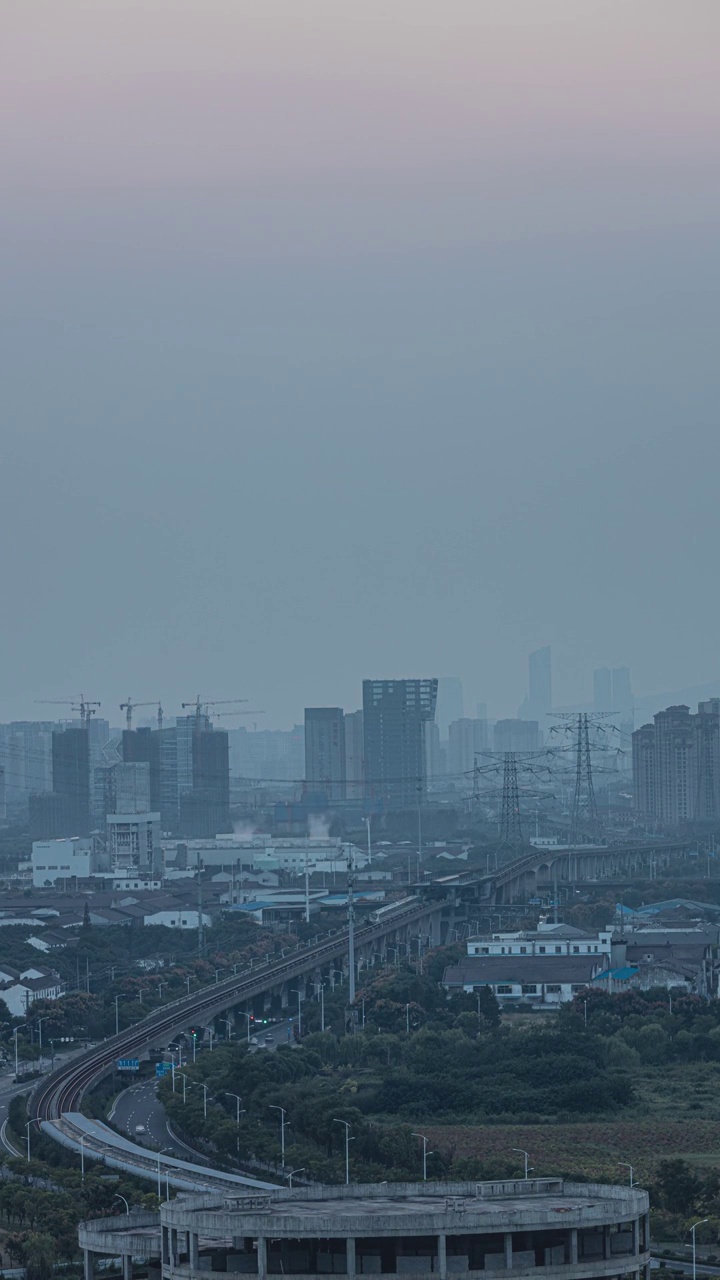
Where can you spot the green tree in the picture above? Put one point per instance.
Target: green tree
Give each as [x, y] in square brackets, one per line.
[489, 1007]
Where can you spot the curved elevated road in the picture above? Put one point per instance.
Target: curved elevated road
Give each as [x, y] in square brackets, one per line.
[56, 1101]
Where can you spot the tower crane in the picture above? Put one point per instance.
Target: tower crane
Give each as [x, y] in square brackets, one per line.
[201, 706]
[130, 706]
[80, 703]
[219, 714]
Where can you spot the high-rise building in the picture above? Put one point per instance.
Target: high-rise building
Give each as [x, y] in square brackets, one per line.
[206, 806]
[602, 689]
[134, 841]
[538, 704]
[450, 703]
[395, 714]
[517, 735]
[676, 765]
[466, 737]
[26, 754]
[71, 780]
[354, 767]
[325, 767]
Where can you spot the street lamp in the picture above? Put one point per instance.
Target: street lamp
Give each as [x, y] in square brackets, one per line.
[292, 1173]
[117, 1017]
[240, 1111]
[297, 992]
[227, 1023]
[348, 1140]
[15, 1036]
[117, 1196]
[83, 1137]
[248, 1019]
[520, 1152]
[39, 1027]
[407, 1018]
[625, 1165]
[28, 1127]
[426, 1153]
[693, 1229]
[283, 1113]
[184, 1078]
[320, 987]
[204, 1088]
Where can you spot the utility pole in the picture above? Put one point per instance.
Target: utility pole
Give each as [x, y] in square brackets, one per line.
[201, 930]
[351, 922]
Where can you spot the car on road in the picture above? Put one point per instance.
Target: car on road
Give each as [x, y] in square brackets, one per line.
[140, 1128]
[253, 1040]
[268, 1039]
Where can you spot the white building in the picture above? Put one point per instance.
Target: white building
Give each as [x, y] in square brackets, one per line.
[59, 860]
[18, 989]
[176, 918]
[547, 940]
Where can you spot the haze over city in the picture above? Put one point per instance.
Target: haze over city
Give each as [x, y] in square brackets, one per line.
[357, 341]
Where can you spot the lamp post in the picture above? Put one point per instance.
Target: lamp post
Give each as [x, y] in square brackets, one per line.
[39, 1027]
[407, 1018]
[83, 1137]
[204, 1088]
[184, 1079]
[625, 1165]
[521, 1152]
[320, 987]
[227, 1023]
[283, 1122]
[15, 1036]
[28, 1127]
[348, 1140]
[239, 1111]
[290, 1175]
[117, 1196]
[117, 1017]
[693, 1229]
[426, 1153]
[248, 1019]
[297, 992]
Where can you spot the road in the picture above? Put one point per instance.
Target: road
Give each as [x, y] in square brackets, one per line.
[139, 1103]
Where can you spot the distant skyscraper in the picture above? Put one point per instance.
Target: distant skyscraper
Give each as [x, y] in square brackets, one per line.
[538, 703]
[71, 780]
[395, 714]
[211, 782]
[466, 737]
[450, 704]
[622, 698]
[602, 689]
[354, 766]
[325, 768]
[517, 735]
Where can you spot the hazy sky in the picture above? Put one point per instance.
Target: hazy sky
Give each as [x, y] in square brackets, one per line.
[357, 339]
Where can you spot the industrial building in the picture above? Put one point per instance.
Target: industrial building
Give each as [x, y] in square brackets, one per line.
[559, 1230]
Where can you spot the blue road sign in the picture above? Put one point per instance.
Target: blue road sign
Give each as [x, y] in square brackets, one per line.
[162, 1069]
[128, 1064]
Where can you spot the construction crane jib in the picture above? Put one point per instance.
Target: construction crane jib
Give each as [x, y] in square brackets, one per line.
[201, 706]
[80, 703]
[130, 706]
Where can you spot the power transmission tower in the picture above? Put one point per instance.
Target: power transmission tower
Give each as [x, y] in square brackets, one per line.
[511, 836]
[585, 827]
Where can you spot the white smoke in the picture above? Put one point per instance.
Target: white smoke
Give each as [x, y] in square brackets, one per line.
[318, 826]
[243, 830]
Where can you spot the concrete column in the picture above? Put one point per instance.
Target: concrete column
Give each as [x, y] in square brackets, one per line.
[573, 1245]
[88, 1264]
[508, 1250]
[606, 1242]
[262, 1256]
[173, 1246]
[350, 1255]
[127, 1266]
[166, 1246]
[193, 1250]
[636, 1235]
[442, 1256]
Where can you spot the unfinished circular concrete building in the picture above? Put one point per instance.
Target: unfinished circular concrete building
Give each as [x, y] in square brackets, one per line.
[561, 1231]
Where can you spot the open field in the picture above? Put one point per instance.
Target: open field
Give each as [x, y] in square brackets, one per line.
[677, 1114]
